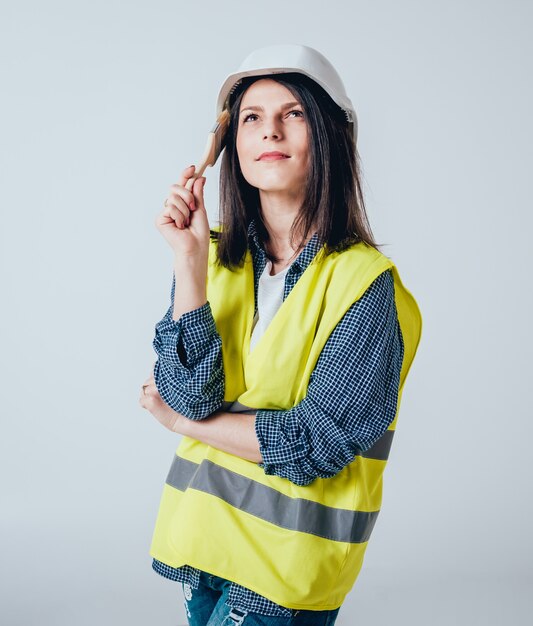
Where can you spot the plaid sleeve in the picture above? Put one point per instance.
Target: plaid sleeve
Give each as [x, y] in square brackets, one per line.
[189, 373]
[351, 397]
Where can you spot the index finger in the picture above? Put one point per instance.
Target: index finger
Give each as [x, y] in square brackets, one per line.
[185, 175]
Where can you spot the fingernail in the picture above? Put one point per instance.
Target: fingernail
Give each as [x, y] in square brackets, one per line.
[191, 205]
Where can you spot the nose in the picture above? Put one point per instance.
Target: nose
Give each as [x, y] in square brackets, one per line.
[271, 129]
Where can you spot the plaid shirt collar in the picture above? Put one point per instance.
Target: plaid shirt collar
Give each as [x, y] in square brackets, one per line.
[302, 260]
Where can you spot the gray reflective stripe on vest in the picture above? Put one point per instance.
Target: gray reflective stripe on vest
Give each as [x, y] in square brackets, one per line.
[271, 505]
[380, 450]
[236, 407]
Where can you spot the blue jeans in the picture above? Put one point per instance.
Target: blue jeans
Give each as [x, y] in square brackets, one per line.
[206, 606]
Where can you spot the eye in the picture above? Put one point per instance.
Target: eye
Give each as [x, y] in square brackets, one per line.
[296, 111]
[249, 115]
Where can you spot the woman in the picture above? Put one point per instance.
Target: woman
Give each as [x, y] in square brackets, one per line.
[281, 360]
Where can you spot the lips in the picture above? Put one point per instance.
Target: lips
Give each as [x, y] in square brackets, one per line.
[273, 156]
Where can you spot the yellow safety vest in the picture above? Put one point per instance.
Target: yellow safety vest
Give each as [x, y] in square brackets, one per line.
[300, 546]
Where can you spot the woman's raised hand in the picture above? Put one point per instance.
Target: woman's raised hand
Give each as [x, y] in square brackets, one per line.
[184, 222]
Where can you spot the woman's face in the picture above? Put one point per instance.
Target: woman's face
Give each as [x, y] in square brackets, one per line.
[271, 120]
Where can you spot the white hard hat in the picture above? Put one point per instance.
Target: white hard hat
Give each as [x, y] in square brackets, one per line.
[282, 59]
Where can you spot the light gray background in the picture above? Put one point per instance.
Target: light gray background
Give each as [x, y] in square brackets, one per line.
[103, 104]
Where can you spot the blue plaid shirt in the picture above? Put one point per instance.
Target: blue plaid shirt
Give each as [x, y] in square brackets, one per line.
[351, 397]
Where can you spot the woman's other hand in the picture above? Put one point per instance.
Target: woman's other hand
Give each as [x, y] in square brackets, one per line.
[184, 222]
[152, 402]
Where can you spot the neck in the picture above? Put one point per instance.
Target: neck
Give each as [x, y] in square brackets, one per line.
[278, 211]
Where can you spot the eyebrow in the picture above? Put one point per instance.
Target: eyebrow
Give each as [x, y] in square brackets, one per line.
[287, 105]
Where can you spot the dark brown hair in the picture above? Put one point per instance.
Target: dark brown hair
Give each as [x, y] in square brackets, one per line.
[333, 201]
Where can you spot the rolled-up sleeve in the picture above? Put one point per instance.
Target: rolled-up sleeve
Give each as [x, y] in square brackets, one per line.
[189, 372]
[351, 397]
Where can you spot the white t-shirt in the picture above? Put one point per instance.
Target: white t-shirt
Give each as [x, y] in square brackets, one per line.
[269, 299]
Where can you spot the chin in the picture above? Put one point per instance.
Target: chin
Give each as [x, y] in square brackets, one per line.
[273, 183]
